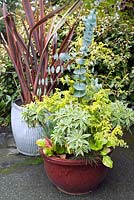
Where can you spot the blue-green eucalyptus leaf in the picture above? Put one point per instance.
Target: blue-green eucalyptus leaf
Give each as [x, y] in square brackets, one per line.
[48, 70]
[64, 56]
[46, 81]
[80, 61]
[51, 80]
[58, 69]
[42, 81]
[79, 86]
[62, 69]
[79, 77]
[80, 71]
[79, 94]
[52, 69]
[56, 56]
[68, 67]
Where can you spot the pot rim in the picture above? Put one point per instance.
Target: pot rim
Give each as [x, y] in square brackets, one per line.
[17, 105]
[69, 162]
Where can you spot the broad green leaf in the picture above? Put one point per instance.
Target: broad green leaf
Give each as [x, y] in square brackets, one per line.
[105, 151]
[40, 142]
[95, 147]
[107, 161]
[48, 151]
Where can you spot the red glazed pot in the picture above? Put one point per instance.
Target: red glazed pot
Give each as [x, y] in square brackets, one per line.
[74, 176]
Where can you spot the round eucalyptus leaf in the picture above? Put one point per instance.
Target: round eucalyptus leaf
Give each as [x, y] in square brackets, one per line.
[79, 77]
[84, 49]
[80, 71]
[79, 86]
[39, 92]
[58, 69]
[79, 94]
[55, 56]
[80, 61]
[51, 80]
[48, 70]
[46, 81]
[68, 68]
[52, 69]
[62, 69]
[42, 81]
[64, 56]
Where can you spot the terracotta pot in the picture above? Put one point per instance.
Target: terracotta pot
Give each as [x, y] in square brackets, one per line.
[74, 176]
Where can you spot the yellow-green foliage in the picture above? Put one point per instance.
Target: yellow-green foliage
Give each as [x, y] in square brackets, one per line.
[35, 113]
[84, 129]
[58, 100]
[101, 124]
[101, 53]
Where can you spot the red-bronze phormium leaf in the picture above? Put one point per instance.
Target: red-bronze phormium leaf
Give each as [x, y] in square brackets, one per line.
[33, 57]
[58, 26]
[41, 28]
[43, 20]
[48, 143]
[30, 19]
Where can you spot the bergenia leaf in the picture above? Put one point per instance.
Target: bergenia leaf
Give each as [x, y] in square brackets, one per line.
[107, 161]
[40, 142]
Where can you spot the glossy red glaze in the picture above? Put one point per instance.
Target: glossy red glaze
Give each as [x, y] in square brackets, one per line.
[74, 176]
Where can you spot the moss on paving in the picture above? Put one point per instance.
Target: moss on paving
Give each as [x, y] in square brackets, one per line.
[30, 161]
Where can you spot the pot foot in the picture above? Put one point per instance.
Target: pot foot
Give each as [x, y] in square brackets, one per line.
[28, 154]
[73, 193]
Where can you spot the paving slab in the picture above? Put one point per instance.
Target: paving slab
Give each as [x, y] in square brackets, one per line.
[31, 183]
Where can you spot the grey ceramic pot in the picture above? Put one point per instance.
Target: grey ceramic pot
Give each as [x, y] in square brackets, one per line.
[25, 137]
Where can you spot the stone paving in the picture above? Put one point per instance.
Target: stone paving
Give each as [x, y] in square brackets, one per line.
[23, 177]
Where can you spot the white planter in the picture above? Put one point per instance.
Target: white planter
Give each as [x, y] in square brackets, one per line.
[25, 137]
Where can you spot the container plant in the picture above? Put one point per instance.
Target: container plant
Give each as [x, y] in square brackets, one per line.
[39, 60]
[83, 126]
[81, 136]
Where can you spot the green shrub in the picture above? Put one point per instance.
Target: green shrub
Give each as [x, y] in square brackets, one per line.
[111, 56]
[8, 87]
[12, 4]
